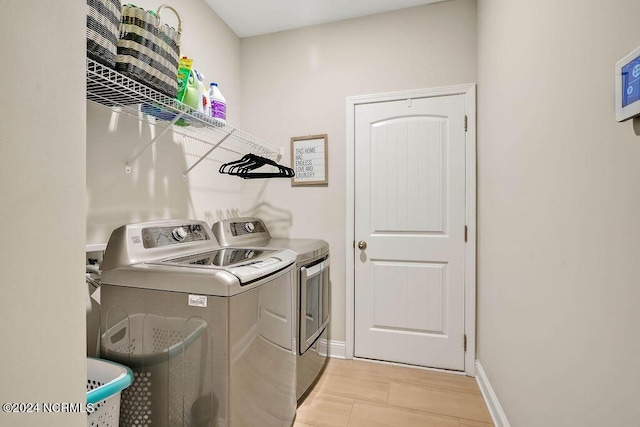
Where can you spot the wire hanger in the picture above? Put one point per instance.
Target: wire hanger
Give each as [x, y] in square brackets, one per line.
[248, 167]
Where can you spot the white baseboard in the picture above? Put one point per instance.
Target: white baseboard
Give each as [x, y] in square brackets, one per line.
[335, 349]
[495, 410]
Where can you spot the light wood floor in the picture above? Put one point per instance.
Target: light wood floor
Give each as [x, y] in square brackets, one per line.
[356, 393]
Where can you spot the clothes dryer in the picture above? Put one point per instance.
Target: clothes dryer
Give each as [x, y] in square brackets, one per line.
[311, 291]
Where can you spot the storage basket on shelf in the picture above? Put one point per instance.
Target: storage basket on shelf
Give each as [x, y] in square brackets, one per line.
[148, 50]
[103, 30]
[105, 381]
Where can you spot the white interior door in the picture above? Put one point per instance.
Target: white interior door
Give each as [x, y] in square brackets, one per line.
[410, 213]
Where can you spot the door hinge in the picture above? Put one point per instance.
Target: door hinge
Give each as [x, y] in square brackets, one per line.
[466, 232]
[464, 343]
[354, 244]
[465, 123]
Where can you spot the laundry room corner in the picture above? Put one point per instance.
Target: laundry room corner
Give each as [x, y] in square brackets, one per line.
[156, 187]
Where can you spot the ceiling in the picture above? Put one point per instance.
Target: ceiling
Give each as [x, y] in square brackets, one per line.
[255, 17]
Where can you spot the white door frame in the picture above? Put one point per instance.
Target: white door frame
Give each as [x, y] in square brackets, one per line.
[469, 90]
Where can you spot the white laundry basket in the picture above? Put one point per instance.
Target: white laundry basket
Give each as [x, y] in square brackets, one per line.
[105, 381]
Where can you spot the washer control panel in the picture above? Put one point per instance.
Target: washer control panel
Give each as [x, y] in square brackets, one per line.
[154, 237]
[157, 239]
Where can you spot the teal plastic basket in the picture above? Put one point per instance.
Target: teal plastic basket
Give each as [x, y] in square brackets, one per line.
[105, 381]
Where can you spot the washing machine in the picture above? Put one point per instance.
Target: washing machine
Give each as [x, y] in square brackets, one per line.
[208, 331]
[311, 291]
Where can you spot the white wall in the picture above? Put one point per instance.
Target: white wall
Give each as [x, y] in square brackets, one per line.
[558, 203]
[155, 189]
[295, 83]
[42, 209]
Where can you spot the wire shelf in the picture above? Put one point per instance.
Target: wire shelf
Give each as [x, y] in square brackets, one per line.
[107, 87]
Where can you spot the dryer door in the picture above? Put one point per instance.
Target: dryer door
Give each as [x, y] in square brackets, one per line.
[314, 301]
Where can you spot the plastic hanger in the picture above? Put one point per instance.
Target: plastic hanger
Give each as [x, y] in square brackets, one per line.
[247, 166]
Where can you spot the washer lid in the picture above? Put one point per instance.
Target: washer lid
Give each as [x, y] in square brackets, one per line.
[248, 265]
[222, 257]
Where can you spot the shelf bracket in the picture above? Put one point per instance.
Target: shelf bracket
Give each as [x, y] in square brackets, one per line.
[127, 166]
[204, 156]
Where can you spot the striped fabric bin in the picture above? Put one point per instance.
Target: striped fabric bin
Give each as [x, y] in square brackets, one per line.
[103, 29]
[148, 51]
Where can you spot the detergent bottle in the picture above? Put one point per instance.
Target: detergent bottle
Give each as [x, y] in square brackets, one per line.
[218, 103]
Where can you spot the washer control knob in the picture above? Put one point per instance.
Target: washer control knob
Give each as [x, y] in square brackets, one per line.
[249, 227]
[249, 253]
[179, 234]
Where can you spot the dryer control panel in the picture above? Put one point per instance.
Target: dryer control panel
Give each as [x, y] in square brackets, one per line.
[249, 226]
[241, 231]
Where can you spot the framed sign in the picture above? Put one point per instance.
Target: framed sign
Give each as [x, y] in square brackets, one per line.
[309, 160]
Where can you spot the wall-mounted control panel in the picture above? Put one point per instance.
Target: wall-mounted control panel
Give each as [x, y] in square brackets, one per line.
[627, 86]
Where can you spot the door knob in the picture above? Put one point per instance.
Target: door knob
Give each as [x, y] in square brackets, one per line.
[362, 245]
